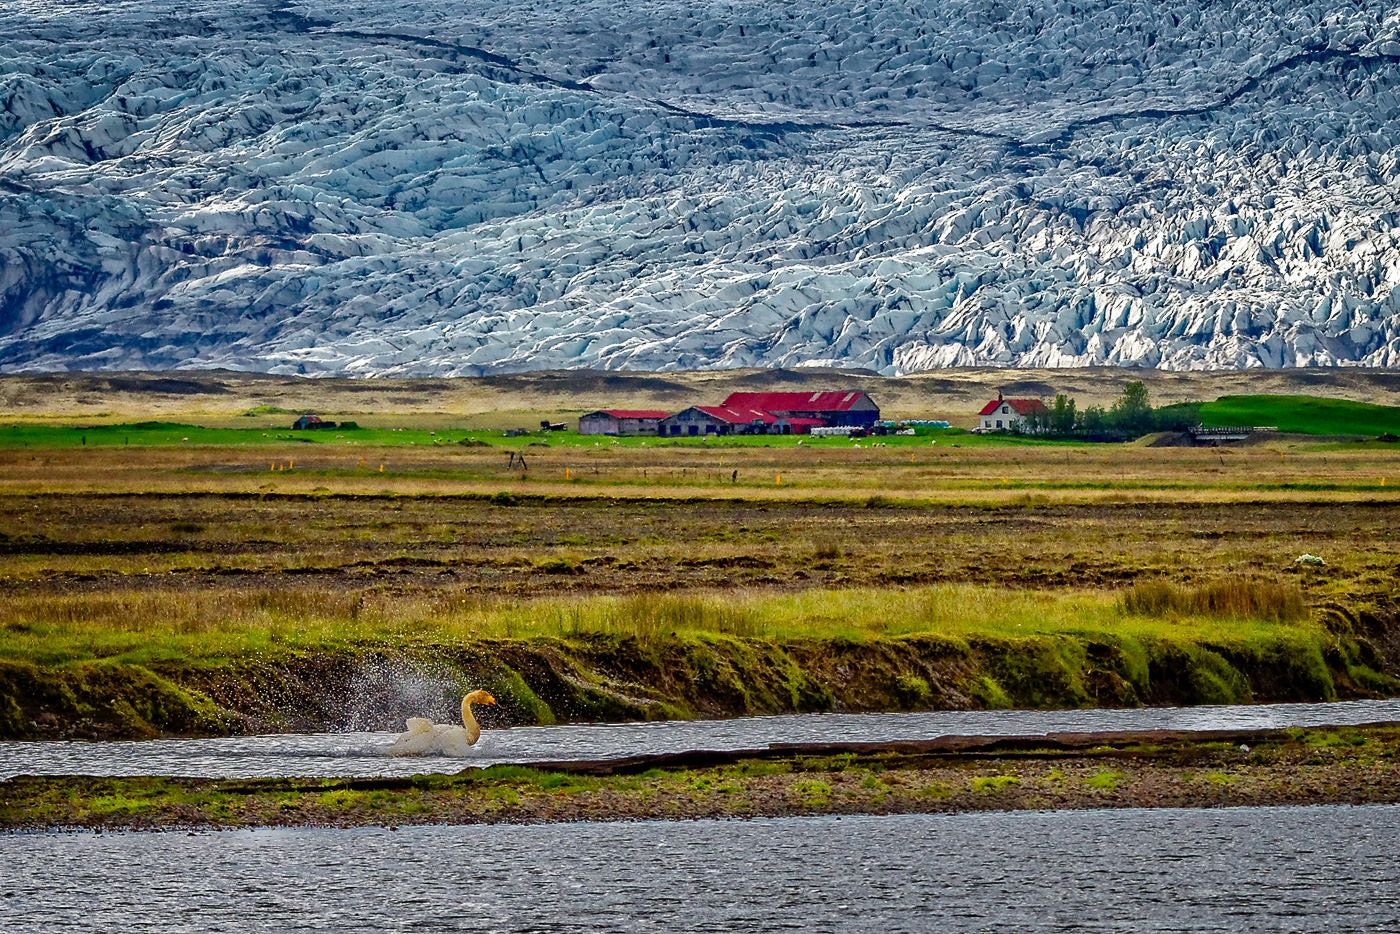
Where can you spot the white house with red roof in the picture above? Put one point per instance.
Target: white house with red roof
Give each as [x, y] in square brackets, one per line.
[1003, 414]
[623, 422]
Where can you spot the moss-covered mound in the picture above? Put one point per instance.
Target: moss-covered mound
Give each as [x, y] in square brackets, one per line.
[690, 675]
[103, 700]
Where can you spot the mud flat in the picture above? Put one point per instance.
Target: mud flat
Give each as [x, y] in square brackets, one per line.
[1352, 765]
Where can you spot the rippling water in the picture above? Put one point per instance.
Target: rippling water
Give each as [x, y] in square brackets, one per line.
[361, 754]
[1248, 869]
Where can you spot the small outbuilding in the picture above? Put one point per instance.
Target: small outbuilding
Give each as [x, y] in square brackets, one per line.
[620, 422]
[310, 423]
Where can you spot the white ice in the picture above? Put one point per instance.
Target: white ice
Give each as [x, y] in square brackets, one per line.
[437, 187]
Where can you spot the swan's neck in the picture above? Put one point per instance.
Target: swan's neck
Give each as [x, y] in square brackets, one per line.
[468, 720]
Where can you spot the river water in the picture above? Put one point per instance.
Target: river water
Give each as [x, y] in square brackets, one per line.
[362, 754]
[1249, 869]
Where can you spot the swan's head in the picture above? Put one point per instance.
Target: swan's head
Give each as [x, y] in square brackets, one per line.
[480, 697]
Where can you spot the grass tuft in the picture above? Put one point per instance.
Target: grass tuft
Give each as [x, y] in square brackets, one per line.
[1226, 599]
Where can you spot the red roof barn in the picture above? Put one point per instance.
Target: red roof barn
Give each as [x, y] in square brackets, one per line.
[842, 407]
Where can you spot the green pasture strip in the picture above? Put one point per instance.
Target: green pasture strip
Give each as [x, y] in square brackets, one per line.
[1303, 415]
[957, 437]
[1293, 414]
[176, 434]
[151, 628]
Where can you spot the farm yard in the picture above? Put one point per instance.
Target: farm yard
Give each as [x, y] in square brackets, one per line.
[154, 573]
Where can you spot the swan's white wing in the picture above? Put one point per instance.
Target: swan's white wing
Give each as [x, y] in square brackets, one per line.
[426, 738]
[419, 740]
[457, 743]
[409, 744]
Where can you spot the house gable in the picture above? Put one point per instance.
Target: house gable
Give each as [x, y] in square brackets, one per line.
[1001, 414]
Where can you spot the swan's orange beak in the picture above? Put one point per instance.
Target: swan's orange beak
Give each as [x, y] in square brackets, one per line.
[487, 698]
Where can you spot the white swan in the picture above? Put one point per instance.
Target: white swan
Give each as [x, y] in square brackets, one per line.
[426, 738]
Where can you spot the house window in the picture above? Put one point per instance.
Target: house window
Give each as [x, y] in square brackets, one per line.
[694, 429]
[998, 423]
[1005, 411]
[709, 429]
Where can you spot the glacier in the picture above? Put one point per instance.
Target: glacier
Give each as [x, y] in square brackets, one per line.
[440, 188]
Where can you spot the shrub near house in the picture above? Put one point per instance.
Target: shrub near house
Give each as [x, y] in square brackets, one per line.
[1131, 416]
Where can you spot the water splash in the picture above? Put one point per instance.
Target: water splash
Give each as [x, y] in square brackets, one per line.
[381, 693]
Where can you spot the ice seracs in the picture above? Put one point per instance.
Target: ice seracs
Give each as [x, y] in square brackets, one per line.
[427, 187]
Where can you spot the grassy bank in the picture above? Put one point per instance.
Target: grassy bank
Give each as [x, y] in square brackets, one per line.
[139, 435]
[1324, 766]
[1309, 415]
[139, 664]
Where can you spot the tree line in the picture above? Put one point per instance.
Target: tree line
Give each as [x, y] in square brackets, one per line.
[1130, 416]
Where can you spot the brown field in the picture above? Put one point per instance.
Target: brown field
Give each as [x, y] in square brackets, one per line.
[102, 547]
[618, 519]
[662, 518]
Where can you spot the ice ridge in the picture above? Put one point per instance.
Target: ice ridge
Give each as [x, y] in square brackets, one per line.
[428, 187]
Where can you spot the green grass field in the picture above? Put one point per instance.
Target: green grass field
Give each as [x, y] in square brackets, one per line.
[1308, 415]
[175, 434]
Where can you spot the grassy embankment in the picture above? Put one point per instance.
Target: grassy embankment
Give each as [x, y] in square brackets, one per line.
[1308, 415]
[169, 586]
[1350, 765]
[143, 664]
